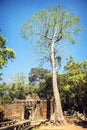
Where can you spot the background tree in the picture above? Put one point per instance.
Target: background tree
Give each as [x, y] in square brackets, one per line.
[37, 74]
[40, 82]
[45, 90]
[49, 27]
[36, 77]
[19, 88]
[5, 52]
[4, 93]
[77, 79]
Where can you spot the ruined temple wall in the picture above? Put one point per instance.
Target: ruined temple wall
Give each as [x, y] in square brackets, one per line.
[45, 109]
[14, 110]
[42, 109]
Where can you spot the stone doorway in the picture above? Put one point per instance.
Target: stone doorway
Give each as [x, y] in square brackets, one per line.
[27, 113]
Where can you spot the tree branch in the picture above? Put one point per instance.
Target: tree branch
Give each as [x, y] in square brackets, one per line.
[44, 36]
[58, 39]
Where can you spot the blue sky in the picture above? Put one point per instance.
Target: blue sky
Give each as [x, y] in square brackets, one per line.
[12, 15]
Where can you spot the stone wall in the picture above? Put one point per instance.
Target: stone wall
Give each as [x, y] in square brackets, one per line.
[31, 108]
[14, 110]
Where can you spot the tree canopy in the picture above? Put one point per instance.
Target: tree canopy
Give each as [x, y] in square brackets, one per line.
[37, 74]
[41, 26]
[6, 53]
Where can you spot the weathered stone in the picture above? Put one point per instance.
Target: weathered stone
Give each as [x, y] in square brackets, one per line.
[31, 108]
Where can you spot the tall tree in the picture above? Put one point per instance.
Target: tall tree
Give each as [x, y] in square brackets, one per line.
[5, 52]
[49, 27]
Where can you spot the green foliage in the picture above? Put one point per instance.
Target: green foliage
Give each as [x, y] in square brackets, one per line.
[41, 27]
[77, 76]
[1, 107]
[5, 52]
[37, 74]
[6, 98]
[19, 78]
[72, 86]
[4, 90]
[41, 82]
[34, 89]
[17, 89]
[9, 92]
[77, 71]
[45, 90]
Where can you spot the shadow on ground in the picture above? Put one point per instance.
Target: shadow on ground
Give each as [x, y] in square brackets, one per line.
[82, 124]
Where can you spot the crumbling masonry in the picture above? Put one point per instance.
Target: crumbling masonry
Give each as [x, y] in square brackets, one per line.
[31, 108]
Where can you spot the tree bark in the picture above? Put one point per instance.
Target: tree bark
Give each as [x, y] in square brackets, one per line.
[58, 115]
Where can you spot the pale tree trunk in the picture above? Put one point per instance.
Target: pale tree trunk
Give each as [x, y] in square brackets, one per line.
[58, 115]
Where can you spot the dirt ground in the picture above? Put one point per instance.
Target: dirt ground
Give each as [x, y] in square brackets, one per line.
[68, 127]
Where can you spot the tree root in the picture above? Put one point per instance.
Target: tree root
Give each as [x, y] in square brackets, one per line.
[61, 122]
